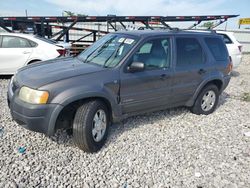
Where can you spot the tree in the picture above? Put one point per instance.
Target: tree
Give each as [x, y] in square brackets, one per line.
[208, 25]
[69, 13]
[82, 15]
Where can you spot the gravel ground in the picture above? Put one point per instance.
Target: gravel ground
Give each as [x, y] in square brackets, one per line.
[171, 148]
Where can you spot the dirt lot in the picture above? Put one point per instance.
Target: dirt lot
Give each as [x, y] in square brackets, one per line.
[171, 148]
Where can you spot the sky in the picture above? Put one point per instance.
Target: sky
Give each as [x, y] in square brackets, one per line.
[128, 7]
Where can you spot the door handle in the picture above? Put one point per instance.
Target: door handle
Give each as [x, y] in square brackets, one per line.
[164, 77]
[26, 52]
[202, 71]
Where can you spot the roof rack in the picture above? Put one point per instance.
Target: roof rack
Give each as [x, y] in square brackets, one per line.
[202, 30]
[43, 24]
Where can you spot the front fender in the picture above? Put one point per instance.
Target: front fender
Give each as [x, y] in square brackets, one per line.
[74, 94]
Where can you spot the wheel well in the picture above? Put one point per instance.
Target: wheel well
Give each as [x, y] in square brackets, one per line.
[32, 61]
[217, 82]
[66, 116]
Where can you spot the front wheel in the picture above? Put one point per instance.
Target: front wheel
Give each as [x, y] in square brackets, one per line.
[90, 127]
[207, 100]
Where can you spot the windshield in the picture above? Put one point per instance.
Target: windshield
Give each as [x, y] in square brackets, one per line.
[109, 50]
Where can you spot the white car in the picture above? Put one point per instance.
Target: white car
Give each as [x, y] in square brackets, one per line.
[233, 46]
[18, 50]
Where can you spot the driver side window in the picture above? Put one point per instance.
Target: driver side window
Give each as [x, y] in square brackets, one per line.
[155, 54]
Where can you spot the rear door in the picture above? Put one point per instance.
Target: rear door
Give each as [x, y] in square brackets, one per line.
[151, 88]
[14, 53]
[191, 67]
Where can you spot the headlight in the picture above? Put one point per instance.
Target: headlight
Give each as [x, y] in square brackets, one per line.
[33, 96]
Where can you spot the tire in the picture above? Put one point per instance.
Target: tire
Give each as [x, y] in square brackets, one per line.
[89, 119]
[205, 103]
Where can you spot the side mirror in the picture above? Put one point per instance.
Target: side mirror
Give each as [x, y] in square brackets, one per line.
[136, 67]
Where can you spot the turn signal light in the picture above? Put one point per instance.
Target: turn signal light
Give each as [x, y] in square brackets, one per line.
[229, 66]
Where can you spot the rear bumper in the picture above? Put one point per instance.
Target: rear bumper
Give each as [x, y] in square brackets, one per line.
[38, 118]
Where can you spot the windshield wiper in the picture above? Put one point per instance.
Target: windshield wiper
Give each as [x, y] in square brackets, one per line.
[100, 50]
[115, 52]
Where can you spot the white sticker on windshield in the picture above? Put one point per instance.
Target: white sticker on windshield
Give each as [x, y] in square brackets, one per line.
[129, 41]
[121, 40]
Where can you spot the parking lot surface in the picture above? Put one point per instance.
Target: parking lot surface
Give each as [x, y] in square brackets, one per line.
[171, 148]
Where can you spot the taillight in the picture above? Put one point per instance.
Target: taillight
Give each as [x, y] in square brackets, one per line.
[62, 52]
[229, 66]
[240, 48]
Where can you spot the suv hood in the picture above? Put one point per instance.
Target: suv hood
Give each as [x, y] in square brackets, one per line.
[43, 73]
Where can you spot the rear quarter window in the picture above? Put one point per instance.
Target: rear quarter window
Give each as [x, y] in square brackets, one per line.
[217, 48]
[32, 43]
[226, 39]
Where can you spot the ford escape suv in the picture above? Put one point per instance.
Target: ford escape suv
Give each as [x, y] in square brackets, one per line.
[121, 75]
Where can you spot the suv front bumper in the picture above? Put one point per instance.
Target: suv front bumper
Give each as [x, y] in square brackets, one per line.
[38, 118]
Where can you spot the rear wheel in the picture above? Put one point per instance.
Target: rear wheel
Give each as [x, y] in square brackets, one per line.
[207, 100]
[90, 127]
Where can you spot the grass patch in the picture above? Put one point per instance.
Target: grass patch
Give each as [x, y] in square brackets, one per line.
[242, 82]
[246, 97]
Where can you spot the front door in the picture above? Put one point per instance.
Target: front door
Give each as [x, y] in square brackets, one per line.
[151, 88]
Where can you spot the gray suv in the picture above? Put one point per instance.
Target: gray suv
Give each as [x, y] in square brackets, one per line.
[123, 74]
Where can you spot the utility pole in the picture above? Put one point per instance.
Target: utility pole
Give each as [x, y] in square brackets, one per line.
[26, 12]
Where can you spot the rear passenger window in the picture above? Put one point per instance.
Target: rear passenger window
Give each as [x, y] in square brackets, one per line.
[15, 42]
[226, 39]
[217, 48]
[189, 52]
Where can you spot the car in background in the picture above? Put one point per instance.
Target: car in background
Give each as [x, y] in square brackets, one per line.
[18, 50]
[233, 46]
